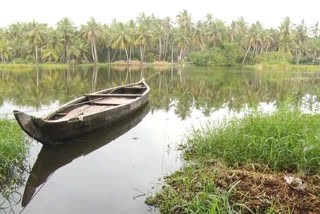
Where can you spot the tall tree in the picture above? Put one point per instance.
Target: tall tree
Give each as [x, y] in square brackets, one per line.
[5, 51]
[67, 28]
[121, 38]
[36, 35]
[91, 31]
[286, 34]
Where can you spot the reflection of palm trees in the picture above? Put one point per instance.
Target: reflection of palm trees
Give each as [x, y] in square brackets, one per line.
[178, 87]
[94, 78]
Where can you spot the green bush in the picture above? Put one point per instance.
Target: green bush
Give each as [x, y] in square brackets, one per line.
[228, 54]
[274, 57]
[20, 61]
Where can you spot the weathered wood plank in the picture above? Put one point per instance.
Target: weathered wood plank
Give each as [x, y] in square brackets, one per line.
[113, 95]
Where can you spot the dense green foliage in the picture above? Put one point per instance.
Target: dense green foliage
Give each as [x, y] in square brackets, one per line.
[148, 38]
[285, 140]
[13, 153]
[227, 55]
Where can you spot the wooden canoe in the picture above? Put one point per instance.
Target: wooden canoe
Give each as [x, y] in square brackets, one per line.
[85, 114]
[50, 159]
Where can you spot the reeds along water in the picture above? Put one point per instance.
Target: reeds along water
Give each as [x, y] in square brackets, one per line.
[13, 163]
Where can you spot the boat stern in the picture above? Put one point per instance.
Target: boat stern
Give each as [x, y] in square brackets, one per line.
[26, 122]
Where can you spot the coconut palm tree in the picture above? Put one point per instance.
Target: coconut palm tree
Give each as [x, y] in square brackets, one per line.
[121, 38]
[184, 20]
[5, 51]
[315, 31]
[158, 34]
[253, 39]
[215, 31]
[92, 31]
[49, 53]
[143, 38]
[199, 34]
[182, 40]
[67, 28]
[36, 35]
[286, 34]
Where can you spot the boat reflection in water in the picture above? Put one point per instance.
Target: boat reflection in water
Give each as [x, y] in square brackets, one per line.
[52, 158]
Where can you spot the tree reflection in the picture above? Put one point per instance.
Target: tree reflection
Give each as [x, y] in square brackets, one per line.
[182, 89]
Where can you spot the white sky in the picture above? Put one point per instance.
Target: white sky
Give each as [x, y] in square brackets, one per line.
[269, 12]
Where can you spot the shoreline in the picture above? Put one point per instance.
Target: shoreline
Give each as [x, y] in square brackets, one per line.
[257, 67]
[258, 164]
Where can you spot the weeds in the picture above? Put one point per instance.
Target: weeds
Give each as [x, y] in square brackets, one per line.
[240, 166]
[286, 140]
[13, 153]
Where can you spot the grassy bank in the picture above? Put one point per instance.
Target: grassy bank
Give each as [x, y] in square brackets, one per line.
[242, 165]
[30, 67]
[13, 153]
[283, 67]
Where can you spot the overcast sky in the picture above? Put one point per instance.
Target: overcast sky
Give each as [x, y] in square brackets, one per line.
[269, 12]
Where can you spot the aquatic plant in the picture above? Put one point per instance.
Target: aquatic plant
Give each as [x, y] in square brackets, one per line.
[13, 154]
[285, 140]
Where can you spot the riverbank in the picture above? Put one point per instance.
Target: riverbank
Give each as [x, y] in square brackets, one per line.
[13, 154]
[23, 67]
[159, 65]
[257, 164]
[283, 67]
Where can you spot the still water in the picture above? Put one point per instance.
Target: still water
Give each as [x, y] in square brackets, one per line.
[114, 170]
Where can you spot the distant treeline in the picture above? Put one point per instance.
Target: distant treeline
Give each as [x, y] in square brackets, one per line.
[148, 38]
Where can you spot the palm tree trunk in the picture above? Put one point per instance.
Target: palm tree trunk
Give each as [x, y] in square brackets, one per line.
[245, 56]
[108, 57]
[36, 54]
[314, 59]
[201, 46]
[160, 49]
[144, 52]
[166, 49]
[92, 53]
[141, 55]
[298, 59]
[261, 51]
[180, 56]
[125, 48]
[95, 52]
[66, 52]
[114, 54]
[172, 53]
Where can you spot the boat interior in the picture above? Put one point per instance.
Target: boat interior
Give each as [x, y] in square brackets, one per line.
[97, 102]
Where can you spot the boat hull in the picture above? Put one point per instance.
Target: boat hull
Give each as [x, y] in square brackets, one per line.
[56, 132]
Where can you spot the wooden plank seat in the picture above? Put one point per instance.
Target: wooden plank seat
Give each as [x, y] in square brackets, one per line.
[113, 101]
[83, 110]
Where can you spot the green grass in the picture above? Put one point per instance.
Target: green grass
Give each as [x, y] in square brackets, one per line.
[239, 165]
[30, 67]
[282, 66]
[210, 188]
[286, 140]
[13, 154]
[192, 191]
